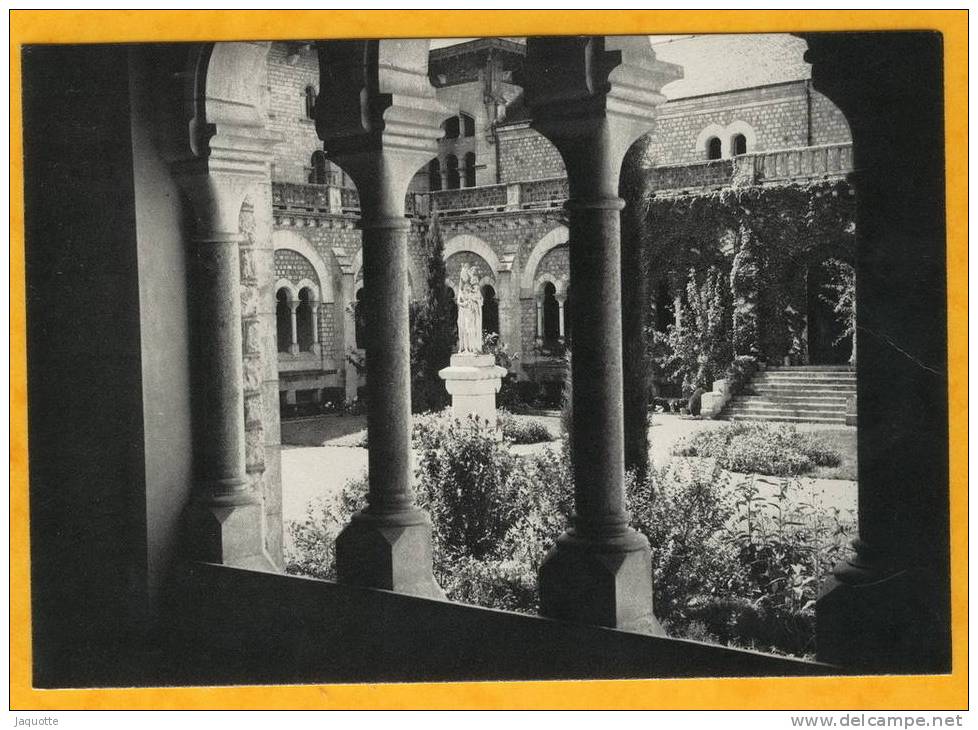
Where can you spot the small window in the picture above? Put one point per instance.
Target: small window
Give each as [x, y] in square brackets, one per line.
[451, 128]
[320, 174]
[311, 102]
[453, 181]
[434, 175]
[713, 150]
[283, 319]
[468, 126]
[738, 144]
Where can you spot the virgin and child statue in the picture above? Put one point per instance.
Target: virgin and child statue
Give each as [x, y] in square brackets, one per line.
[469, 301]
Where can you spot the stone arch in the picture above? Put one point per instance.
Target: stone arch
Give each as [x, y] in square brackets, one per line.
[473, 244]
[283, 239]
[312, 287]
[708, 132]
[559, 236]
[732, 130]
[292, 289]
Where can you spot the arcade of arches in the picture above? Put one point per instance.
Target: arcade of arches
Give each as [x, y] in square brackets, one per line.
[194, 371]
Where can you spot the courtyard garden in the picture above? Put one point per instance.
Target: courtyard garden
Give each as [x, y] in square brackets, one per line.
[738, 555]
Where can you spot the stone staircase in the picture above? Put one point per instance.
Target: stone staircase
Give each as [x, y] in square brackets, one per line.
[800, 394]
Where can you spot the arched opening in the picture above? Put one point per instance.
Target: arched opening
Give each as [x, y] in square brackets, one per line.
[468, 125]
[827, 342]
[713, 148]
[470, 169]
[434, 175]
[319, 164]
[551, 315]
[283, 319]
[738, 144]
[310, 102]
[453, 181]
[359, 321]
[665, 315]
[304, 321]
[490, 311]
[451, 128]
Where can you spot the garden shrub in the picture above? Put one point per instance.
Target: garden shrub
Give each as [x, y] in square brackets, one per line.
[759, 448]
[741, 371]
[727, 565]
[523, 430]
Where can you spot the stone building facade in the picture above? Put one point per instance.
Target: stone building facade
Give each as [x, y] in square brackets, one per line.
[498, 187]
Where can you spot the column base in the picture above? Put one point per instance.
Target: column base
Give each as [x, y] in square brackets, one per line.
[392, 552]
[888, 624]
[607, 582]
[473, 381]
[229, 534]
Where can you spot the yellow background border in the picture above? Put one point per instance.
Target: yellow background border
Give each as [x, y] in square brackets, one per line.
[855, 693]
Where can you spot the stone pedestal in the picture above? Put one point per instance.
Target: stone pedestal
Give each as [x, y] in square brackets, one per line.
[473, 381]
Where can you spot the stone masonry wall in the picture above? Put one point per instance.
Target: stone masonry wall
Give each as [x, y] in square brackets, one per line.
[294, 267]
[525, 154]
[287, 111]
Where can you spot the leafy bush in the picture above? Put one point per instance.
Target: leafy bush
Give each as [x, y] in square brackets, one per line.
[523, 430]
[759, 448]
[727, 565]
[740, 372]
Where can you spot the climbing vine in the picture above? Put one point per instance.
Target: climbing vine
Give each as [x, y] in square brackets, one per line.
[764, 240]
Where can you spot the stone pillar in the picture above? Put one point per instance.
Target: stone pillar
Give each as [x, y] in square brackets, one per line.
[473, 381]
[294, 346]
[888, 608]
[314, 306]
[560, 317]
[381, 126]
[593, 97]
[351, 376]
[539, 303]
[225, 518]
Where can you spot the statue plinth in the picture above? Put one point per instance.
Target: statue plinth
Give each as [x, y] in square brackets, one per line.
[473, 379]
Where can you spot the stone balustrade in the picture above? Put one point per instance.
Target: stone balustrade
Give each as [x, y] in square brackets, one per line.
[760, 168]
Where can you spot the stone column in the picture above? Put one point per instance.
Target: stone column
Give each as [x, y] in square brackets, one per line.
[382, 125]
[539, 303]
[220, 159]
[593, 97]
[314, 306]
[294, 346]
[351, 376]
[560, 317]
[888, 607]
[225, 518]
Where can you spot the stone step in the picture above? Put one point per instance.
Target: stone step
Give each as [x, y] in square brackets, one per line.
[820, 388]
[783, 419]
[807, 377]
[765, 404]
[810, 368]
[828, 398]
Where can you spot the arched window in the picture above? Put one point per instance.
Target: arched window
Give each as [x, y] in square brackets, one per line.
[470, 169]
[452, 182]
[434, 175]
[311, 102]
[468, 125]
[738, 143]
[451, 128]
[551, 314]
[304, 321]
[319, 163]
[490, 311]
[713, 150]
[283, 319]
[359, 321]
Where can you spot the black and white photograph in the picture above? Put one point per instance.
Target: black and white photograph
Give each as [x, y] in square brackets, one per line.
[552, 357]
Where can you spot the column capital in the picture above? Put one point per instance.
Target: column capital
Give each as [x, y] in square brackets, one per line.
[593, 96]
[383, 121]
